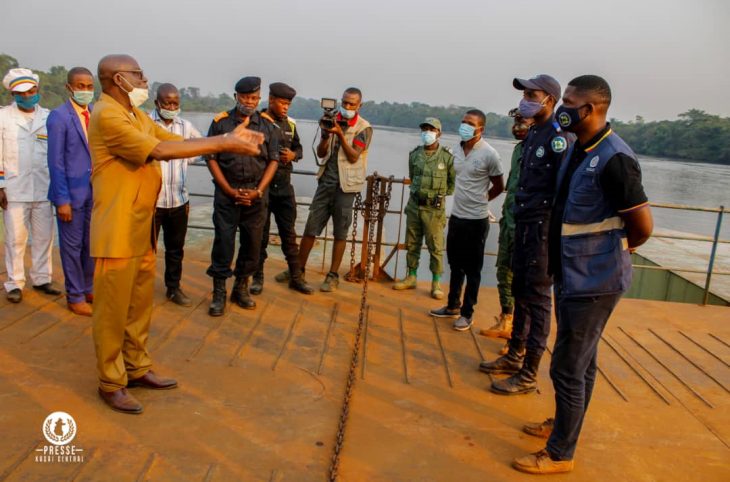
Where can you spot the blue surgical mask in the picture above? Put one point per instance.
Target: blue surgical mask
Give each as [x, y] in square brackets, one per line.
[83, 97]
[346, 113]
[428, 137]
[529, 109]
[569, 117]
[169, 114]
[27, 103]
[466, 132]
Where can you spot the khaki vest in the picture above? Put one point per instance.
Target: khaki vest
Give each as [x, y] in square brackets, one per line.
[352, 175]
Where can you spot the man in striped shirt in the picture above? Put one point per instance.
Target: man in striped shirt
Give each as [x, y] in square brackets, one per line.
[173, 203]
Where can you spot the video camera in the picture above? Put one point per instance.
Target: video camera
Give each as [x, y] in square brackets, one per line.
[329, 118]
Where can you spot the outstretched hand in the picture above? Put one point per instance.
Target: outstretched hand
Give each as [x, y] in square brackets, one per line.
[245, 141]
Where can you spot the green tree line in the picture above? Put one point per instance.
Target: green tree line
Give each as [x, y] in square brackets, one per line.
[696, 135]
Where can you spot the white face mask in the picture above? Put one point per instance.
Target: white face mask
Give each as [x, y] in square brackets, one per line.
[138, 95]
[347, 114]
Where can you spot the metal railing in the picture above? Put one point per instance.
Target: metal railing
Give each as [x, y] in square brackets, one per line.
[397, 245]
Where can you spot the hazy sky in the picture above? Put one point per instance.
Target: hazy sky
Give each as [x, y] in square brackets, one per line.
[661, 57]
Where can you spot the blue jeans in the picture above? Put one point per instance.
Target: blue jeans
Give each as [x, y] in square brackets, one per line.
[573, 368]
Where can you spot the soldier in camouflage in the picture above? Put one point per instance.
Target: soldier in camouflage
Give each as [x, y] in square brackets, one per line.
[503, 325]
[431, 170]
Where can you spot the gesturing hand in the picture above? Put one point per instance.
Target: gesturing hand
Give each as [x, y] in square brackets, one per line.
[245, 141]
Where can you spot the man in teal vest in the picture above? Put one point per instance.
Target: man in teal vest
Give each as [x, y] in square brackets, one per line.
[431, 170]
[503, 327]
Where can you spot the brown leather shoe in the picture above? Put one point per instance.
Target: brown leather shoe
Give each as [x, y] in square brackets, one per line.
[121, 401]
[152, 381]
[541, 463]
[81, 308]
[89, 298]
[540, 429]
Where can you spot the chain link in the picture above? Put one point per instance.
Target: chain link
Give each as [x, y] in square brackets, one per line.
[370, 211]
[356, 208]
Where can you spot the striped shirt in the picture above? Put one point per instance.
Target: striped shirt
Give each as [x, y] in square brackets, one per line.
[174, 191]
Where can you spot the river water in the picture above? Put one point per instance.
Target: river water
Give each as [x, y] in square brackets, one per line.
[665, 181]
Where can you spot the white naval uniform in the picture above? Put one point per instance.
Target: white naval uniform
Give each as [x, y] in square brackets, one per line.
[24, 176]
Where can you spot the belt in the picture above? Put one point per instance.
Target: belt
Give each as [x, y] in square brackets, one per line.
[436, 202]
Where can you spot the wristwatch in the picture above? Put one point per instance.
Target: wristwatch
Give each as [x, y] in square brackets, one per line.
[261, 193]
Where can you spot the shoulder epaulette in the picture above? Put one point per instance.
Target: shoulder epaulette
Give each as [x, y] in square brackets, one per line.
[448, 149]
[266, 116]
[221, 115]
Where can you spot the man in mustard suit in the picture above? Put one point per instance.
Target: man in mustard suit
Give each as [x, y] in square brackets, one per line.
[125, 146]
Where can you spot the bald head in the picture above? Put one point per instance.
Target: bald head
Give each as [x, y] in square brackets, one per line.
[165, 90]
[111, 65]
[119, 74]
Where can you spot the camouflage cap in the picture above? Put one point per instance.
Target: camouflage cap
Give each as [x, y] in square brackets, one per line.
[431, 121]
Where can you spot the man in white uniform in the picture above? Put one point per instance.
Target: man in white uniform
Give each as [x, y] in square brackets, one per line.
[24, 183]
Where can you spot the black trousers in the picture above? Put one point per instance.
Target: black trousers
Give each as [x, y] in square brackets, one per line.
[531, 285]
[283, 205]
[227, 218]
[465, 252]
[174, 225]
[573, 367]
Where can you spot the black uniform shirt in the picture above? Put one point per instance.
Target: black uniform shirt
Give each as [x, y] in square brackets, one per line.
[542, 153]
[241, 170]
[288, 138]
[621, 184]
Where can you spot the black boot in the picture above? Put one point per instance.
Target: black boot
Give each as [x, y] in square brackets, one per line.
[508, 364]
[257, 284]
[218, 304]
[240, 294]
[524, 381]
[298, 283]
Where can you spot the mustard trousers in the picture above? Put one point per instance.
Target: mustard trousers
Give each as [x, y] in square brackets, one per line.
[123, 291]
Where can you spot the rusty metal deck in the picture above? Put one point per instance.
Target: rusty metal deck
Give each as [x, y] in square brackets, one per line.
[261, 391]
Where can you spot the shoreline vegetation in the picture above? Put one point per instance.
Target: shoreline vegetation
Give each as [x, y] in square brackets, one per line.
[694, 136]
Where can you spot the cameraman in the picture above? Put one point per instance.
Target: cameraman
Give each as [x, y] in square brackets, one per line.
[344, 149]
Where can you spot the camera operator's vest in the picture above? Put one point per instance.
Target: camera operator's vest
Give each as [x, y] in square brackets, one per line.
[594, 249]
[352, 175]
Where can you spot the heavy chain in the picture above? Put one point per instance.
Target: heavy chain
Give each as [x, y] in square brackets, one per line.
[371, 212]
[355, 210]
[387, 195]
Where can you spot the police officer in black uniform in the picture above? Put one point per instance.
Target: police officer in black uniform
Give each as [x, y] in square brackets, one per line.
[282, 201]
[240, 200]
[543, 151]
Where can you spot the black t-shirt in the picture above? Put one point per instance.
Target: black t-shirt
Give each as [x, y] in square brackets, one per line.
[621, 183]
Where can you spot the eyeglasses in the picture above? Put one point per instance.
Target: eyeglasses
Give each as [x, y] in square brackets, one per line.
[139, 72]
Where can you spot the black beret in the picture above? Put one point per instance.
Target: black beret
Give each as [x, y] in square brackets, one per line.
[282, 91]
[248, 84]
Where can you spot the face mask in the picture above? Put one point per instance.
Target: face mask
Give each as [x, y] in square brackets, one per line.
[245, 110]
[83, 97]
[428, 137]
[569, 117]
[347, 114]
[466, 132]
[529, 109]
[27, 103]
[138, 95]
[169, 114]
